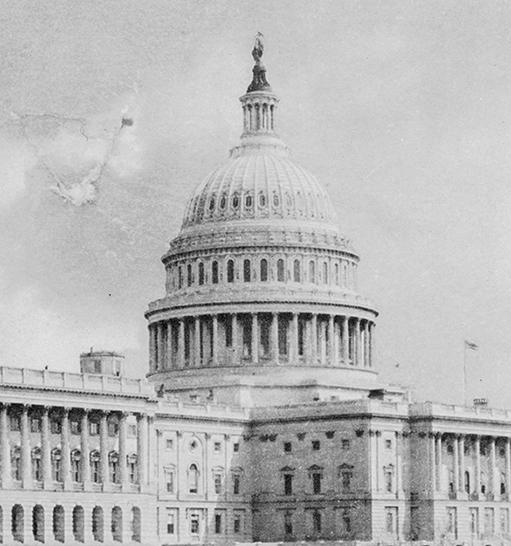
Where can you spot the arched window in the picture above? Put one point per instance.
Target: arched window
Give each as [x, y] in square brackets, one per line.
[214, 272]
[113, 466]
[136, 523]
[16, 463]
[133, 468]
[193, 479]
[296, 270]
[312, 271]
[56, 465]
[98, 527]
[38, 523]
[246, 270]
[95, 473]
[263, 273]
[325, 273]
[230, 271]
[201, 273]
[58, 523]
[336, 267]
[37, 470]
[117, 524]
[78, 524]
[467, 481]
[280, 270]
[76, 459]
[189, 275]
[17, 517]
[180, 277]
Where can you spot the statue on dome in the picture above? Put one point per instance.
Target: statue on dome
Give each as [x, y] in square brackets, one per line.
[259, 82]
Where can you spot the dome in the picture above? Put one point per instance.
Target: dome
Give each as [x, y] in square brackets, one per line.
[259, 185]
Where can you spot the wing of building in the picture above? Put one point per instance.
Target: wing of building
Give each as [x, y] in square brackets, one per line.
[263, 417]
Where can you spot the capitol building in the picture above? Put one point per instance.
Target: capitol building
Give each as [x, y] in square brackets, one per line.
[262, 417]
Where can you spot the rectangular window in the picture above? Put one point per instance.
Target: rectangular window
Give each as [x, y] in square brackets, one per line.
[288, 484]
[113, 428]
[236, 484]
[35, 424]
[388, 480]
[55, 426]
[346, 522]
[316, 482]
[489, 522]
[218, 524]
[301, 337]
[14, 423]
[282, 332]
[228, 332]
[169, 481]
[75, 427]
[287, 447]
[288, 524]
[345, 444]
[218, 483]
[237, 524]
[474, 521]
[236, 447]
[218, 447]
[194, 524]
[93, 428]
[316, 521]
[169, 443]
[132, 431]
[346, 477]
[452, 522]
[388, 444]
[170, 523]
[504, 521]
[316, 445]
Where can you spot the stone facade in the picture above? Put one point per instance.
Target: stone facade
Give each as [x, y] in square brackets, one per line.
[263, 417]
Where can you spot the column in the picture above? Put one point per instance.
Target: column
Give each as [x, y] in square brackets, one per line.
[439, 461]
[46, 448]
[432, 462]
[65, 451]
[356, 342]
[373, 463]
[294, 339]
[314, 338]
[142, 449]
[322, 342]
[275, 337]
[345, 340]
[494, 484]
[169, 346]
[508, 468]
[160, 349]
[152, 348]
[26, 462]
[235, 339]
[254, 349]
[181, 344]
[399, 475]
[379, 481]
[361, 343]
[103, 448]
[367, 362]
[197, 344]
[461, 450]
[215, 340]
[371, 345]
[123, 468]
[331, 345]
[456, 466]
[5, 453]
[206, 478]
[84, 449]
[477, 480]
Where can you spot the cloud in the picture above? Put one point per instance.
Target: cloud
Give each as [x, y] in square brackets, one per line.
[16, 160]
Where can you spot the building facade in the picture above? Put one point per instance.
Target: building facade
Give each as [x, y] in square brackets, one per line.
[263, 417]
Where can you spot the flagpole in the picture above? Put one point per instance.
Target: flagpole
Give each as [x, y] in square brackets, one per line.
[465, 372]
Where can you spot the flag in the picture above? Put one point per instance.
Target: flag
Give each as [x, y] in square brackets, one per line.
[471, 346]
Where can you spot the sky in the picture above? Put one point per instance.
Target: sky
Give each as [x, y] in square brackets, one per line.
[112, 112]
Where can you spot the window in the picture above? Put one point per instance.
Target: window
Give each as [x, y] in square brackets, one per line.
[312, 271]
[230, 271]
[345, 444]
[76, 458]
[296, 270]
[346, 521]
[189, 275]
[132, 468]
[452, 523]
[288, 523]
[336, 268]
[236, 447]
[325, 273]
[280, 270]
[93, 428]
[193, 479]
[489, 521]
[180, 277]
[218, 524]
[388, 444]
[37, 470]
[389, 478]
[35, 424]
[194, 524]
[217, 447]
[474, 521]
[113, 428]
[113, 466]
[56, 465]
[346, 477]
[504, 521]
[16, 463]
[170, 523]
[316, 482]
[218, 482]
[246, 270]
[288, 484]
[75, 426]
[287, 447]
[169, 480]
[94, 467]
[236, 482]
[316, 445]
[169, 443]
[214, 272]
[55, 425]
[201, 273]
[132, 431]
[316, 521]
[389, 521]
[237, 523]
[263, 273]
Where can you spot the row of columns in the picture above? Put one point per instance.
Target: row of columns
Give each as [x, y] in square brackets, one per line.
[46, 448]
[258, 116]
[459, 467]
[378, 462]
[195, 341]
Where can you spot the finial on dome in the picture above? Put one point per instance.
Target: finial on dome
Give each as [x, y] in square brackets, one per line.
[259, 82]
